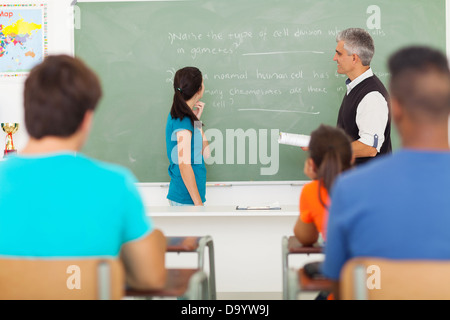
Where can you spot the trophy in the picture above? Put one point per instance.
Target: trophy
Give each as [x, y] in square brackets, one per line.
[9, 128]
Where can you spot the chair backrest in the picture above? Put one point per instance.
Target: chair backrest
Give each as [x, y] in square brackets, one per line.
[387, 279]
[61, 279]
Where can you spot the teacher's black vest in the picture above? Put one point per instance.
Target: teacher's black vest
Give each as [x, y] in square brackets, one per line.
[347, 113]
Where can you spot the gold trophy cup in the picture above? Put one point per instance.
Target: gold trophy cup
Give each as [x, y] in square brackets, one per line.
[10, 128]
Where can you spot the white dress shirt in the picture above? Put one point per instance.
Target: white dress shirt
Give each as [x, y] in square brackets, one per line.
[371, 114]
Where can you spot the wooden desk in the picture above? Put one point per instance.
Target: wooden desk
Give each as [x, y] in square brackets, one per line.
[307, 284]
[178, 285]
[300, 282]
[246, 243]
[197, 245]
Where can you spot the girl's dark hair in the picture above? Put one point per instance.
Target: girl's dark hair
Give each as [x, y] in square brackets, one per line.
[331, 151]
[186, 83]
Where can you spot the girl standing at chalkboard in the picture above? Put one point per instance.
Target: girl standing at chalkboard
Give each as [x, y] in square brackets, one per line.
[330, 153]
[185, 141]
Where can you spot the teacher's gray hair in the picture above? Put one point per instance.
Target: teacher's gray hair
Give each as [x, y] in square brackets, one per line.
[358, 41]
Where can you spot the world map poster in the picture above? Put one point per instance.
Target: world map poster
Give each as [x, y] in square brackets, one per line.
[23, 38]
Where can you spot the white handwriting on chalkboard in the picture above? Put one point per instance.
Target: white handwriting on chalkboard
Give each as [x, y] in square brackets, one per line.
[214, 42]
[231, 76]
[240, 35]
[281, 33]
[317, 90]
[184, 36]
[255, 92]
[215, 92]
[171, 71]
[195, 52]
[229, 90]
[214, 36]
[270, 76]
[303, 33]
[321, 75]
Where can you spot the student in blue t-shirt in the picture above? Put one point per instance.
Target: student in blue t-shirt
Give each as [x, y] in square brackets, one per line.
[185, 141]
[56, 202]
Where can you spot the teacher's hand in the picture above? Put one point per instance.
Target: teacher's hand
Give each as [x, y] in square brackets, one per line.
[198, 109]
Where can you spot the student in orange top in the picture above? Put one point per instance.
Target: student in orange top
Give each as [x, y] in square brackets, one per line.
[330, 153]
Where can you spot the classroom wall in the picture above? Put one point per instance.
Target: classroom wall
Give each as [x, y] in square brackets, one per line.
[60, 38]
[60, 41]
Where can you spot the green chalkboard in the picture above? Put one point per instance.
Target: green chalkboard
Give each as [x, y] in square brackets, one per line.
[268, 67]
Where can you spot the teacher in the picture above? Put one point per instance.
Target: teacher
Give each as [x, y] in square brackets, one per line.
[364, 113]
[185, 141]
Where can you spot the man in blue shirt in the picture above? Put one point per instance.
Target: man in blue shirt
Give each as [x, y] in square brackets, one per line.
[55, 202]
[398, 206]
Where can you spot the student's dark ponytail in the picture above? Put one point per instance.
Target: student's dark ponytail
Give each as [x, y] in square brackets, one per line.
[187, 82]
[330, 167]
[330, 149]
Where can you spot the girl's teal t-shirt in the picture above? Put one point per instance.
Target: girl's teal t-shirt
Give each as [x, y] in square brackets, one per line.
[177, 190]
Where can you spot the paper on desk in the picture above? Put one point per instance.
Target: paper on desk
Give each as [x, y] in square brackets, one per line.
[298, 140]
[274, 206]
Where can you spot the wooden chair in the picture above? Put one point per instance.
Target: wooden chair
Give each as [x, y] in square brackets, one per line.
[388, 279]
[197, 245]
[61, 279]
[290, 245]
[190, 284]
